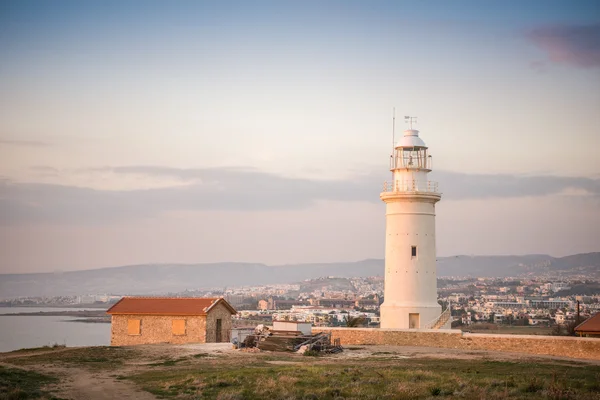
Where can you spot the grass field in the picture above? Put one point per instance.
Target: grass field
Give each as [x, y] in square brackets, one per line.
[94, 358]
[18, 384]
[375, 378]
[366, 372]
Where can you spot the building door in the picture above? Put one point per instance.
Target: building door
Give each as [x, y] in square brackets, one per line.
[413, 321]
[218, 331]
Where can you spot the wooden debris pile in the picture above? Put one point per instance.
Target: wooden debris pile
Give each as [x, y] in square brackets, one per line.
[320, 342]
[292, 341]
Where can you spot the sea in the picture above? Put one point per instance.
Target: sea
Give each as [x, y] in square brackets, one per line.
[19, 331]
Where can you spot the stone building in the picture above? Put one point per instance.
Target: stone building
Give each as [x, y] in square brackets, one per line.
[145, 320]
[589, 327]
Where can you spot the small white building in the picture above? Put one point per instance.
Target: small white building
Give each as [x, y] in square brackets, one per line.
[293, 326]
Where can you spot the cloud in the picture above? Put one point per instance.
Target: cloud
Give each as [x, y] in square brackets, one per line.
[214, 189]
[44, 172]
[246, 189]
[24, 143]
[576, 45]
[44, 168]
[468, 186]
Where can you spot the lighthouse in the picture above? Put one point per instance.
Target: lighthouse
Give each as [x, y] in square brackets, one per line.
[410, 292]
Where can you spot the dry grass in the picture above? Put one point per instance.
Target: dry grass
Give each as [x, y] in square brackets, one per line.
[55, 346]
[88, 357]
[18, 384]
[237, 375]
[372, 379]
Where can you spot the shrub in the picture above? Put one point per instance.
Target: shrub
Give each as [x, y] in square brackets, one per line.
[353, 322]
[15, 394]
[435, 391]
[533, 386]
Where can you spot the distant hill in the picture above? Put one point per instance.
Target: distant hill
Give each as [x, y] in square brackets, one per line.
[492, 266]
[587, 264]
[163, 278]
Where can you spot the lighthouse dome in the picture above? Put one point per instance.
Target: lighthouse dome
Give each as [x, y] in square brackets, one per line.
[411, 139]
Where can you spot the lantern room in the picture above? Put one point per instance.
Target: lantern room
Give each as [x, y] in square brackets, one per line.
[411, 153]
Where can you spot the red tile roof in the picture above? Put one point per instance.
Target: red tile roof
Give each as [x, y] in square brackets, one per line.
[590, 325]
[167, 305]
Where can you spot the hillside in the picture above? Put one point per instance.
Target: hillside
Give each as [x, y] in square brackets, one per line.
[163, 278]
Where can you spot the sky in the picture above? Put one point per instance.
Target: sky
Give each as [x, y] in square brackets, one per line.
[192, 131]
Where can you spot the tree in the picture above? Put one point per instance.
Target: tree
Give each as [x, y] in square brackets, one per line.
[456, 324]
[353, 322]
[510, 318]
[571, 327]
[556, 330]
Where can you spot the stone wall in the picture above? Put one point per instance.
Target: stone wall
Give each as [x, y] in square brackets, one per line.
[157, 329]
[218, 312]
[574, 347]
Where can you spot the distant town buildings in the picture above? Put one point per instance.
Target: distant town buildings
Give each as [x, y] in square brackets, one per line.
[336, 301]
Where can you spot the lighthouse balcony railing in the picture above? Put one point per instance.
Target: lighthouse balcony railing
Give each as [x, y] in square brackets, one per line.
[410, 186]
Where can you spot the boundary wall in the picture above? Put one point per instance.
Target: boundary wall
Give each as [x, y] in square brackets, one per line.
[573, 347]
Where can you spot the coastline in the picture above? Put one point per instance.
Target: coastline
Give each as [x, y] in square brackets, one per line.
[82, 313]
[84, 316]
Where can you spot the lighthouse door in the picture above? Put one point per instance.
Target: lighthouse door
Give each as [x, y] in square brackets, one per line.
[413, 321]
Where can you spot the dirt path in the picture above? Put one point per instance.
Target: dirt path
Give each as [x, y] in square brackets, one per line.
[81, 384]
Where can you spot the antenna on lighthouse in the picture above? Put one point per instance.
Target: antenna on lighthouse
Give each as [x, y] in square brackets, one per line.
[393, 131]
[410, 120]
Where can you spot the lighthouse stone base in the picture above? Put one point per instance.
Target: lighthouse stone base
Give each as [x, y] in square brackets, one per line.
[408, 317]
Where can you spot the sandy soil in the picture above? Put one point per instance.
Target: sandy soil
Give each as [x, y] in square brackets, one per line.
[80, 383]
[443, 353]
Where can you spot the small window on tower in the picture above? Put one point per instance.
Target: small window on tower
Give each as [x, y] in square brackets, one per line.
[413, 251]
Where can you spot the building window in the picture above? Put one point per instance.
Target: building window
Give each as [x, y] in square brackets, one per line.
[413, 251]
[134, 327]
[179, 327]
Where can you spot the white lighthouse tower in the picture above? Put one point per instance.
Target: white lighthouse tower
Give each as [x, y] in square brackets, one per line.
[410, 269]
